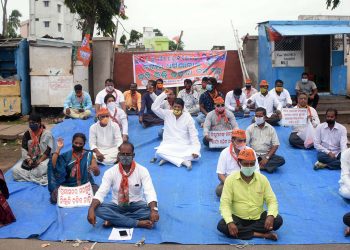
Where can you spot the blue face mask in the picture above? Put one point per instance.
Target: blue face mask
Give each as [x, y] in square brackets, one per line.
[34, 126]
[209, 87]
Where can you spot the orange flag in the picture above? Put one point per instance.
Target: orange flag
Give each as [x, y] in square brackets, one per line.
[84, 52]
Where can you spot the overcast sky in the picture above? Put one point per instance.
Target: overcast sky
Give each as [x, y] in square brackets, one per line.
[206, 22]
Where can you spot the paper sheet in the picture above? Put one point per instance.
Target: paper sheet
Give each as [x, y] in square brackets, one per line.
[121, 234]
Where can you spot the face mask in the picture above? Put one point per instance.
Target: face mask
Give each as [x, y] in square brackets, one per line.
[248, 86]
[111, 107]
[177, 112]
[279, 89]
[104, 121]
[248, 171]
[330, 122]
[209, 87]
[109, 88]
[34, 127]
[263, 90]
[77, 148]
[240, 146]
[220, 110]
[126, 160]
[159, 86]
[259, 120]
[304, 80]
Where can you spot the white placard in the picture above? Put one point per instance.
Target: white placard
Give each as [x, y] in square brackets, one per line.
[80, 196]
[121, 234]
[221, 139]
[288, 58]
[294, 116]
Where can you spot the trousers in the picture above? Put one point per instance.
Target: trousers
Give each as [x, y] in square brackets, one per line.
[274, 162]
[346, 219]
[332, 164]
[296, 141]
[123, 216]
[246, 228]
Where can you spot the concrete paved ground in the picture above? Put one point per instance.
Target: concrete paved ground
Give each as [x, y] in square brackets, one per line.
[33, 244]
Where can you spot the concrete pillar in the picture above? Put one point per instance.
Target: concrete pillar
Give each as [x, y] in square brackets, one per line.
[348, 76]
[102, 62]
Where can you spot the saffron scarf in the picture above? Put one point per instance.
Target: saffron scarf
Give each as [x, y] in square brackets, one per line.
[238, 103]
[123, 192]
[232, 152]
[34, 147]
[221, 116]
[76, 169]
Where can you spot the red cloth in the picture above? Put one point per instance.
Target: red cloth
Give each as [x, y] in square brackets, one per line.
[238, 103]
[221, 116]
[123, 193]
[6, 215]
[76, 169]
[232, 152]
[34, 148]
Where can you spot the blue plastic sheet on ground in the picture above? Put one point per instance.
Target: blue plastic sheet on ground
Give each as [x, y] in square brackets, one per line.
[309, 202]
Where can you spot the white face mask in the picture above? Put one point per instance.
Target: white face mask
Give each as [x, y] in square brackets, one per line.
[109, 88]
[303, 80]
[248, 171]
[259, 120]
[111, 107]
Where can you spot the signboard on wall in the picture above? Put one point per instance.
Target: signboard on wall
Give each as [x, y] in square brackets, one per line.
[174, 67]
[288, 58]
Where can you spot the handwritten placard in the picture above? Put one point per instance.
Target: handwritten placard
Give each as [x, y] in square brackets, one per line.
[220, 139]
[80, 196]
[294, 116]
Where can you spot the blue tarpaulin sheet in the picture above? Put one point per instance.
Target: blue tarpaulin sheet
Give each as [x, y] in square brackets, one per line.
[309, 202]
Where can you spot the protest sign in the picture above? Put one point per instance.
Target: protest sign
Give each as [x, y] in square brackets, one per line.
[80, 196]
[175, 67]
[221, 139]
[294, 116]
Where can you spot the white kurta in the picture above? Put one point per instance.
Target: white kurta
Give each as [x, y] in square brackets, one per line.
[180, 138]
[107, 140]
[119, 117]
[344, 182]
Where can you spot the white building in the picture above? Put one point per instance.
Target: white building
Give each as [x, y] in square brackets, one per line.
[53, 18]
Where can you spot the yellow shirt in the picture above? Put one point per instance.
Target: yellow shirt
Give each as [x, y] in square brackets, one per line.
[246, 201]
[129, 100]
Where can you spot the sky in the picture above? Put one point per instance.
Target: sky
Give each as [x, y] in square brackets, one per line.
[206, 22]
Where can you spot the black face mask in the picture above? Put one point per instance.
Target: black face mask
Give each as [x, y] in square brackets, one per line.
[34, 126]
[248, 86]
[330, 122]
[77, 148]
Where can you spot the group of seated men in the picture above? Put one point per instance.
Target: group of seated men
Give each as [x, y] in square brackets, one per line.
[134, 200]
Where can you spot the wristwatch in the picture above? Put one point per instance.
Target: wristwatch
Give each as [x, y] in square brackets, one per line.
[155, 209]
[267, 157]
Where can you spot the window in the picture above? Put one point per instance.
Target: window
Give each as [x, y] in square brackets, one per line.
[59, 27]
[46, 24]
[59, 8]
[288, 43]
[36, 19]
[46, 3]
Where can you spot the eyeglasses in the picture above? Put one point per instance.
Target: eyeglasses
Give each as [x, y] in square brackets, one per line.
[220, 105]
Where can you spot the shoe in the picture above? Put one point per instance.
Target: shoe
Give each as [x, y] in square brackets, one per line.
[319, 165]
[153, 160]
[188, 165]
[162, 161]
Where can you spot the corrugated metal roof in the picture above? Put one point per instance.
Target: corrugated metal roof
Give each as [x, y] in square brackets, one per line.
[311, 29]
[10, 42]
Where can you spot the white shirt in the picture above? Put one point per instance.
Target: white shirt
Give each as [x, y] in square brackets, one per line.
[140, 185]
[345, 170]
[230, 101]
[249, 93]
[228, 165]
[334, 140]
[100, 97]
[105, 137]
[315, 121]
[283, 98]
[191, 100]
[120, 116]
[267, 102]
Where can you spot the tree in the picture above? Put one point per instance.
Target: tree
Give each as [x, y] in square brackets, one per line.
[134, 36]
[96, 12]
[157, 32]
[173, 46]
[333, 4]
[4, 17]
[123, 40]
[13, 24]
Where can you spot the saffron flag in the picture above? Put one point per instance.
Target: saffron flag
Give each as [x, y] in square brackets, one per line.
[84, 52]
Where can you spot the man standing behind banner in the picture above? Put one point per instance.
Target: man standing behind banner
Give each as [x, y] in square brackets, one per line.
[206, 100]
[180, 144]
[134, 200]
[219, 119]
[299, 132]
[190, 97]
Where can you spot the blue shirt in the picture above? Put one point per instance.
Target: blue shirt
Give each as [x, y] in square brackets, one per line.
[73, 102]
[207, 101]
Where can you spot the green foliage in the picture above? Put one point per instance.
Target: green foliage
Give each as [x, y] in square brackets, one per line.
[123, 39]
[134, 36]
[13, 24]
[157, 32]
[332, 3]
[173, 46]
[99, 12]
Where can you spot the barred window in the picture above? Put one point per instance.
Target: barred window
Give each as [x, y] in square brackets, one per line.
[338, 42]
[289, 43]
